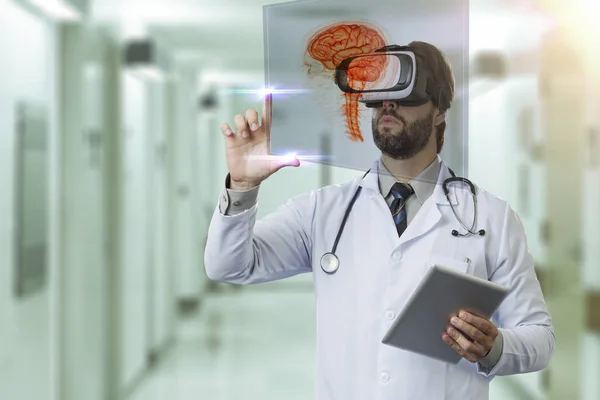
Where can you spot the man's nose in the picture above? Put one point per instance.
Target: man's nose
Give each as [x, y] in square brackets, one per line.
[390, 104]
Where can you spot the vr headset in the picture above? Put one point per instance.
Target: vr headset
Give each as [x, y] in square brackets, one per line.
[390, 73]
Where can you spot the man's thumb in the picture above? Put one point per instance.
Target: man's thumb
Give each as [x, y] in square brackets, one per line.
[287, 161]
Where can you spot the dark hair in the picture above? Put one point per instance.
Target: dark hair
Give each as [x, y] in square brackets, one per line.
[438, 66]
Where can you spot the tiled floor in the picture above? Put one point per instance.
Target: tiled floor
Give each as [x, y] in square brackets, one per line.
[254, 343]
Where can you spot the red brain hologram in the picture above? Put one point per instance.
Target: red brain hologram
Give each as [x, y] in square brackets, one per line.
[333, 44]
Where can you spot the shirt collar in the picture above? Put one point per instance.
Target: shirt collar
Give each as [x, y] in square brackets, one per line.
[423, 184]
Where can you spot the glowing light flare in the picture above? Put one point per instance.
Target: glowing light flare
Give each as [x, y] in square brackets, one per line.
[289, 157]
[584, 18]
[579, 18]
[264, 91]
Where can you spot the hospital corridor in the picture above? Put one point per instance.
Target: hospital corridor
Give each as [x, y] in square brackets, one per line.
[113, 165]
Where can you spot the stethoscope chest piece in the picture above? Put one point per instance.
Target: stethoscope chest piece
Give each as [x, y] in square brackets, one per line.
[330, 263]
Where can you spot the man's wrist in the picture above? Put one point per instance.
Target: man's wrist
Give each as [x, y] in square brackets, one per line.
[491, 359]
[241, 185]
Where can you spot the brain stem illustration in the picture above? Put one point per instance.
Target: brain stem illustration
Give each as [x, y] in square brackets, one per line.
[335, 43]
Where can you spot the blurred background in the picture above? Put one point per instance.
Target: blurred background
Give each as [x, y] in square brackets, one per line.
[111, 162]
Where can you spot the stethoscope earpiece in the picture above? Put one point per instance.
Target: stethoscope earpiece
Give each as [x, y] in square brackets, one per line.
[481, 232]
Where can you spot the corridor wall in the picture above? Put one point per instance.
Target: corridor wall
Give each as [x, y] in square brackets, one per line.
[27, 324]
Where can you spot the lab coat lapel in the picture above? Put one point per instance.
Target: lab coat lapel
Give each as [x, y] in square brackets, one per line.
[429, 214]
[425, 219]
[438, 193]
[371, 181]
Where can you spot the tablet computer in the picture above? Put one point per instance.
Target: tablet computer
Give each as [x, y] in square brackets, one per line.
[442, 293]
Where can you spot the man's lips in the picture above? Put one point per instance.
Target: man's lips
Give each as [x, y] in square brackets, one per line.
[388, 119]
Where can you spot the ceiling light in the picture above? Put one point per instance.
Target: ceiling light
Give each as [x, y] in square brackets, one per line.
[62, 10]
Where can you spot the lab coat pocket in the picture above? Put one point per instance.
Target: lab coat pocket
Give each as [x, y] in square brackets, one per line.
[458, 265]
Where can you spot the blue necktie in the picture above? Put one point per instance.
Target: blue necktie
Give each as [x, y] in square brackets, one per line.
[401, 192]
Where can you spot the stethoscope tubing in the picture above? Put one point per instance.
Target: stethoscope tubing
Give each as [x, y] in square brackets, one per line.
[454, 178]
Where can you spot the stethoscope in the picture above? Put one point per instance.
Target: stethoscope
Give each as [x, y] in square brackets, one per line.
[330, 263]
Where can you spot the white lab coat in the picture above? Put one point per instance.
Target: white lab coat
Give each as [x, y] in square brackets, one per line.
[378, 272]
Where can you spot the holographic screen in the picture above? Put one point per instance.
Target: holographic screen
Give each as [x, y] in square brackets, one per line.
[312, 118]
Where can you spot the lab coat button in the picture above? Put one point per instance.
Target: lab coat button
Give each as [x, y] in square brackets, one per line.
[390, 314]
[385, 377]
[236, 203]
[397, 255]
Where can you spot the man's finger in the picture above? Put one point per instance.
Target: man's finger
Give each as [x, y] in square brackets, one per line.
[267, 115]
[226, 129]
[470, 330]
[241, 125]
[452, 343]
[467, 345]
[484, 325]
[267, 112]
[252, 118]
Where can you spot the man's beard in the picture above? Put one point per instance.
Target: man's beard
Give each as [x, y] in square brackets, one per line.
[408, 142]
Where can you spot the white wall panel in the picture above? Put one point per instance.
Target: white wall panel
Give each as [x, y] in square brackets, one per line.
[26, 369]
[134, 219]
[160, 299]
[187, 241]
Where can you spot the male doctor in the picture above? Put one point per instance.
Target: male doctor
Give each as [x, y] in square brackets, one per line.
[399, 226]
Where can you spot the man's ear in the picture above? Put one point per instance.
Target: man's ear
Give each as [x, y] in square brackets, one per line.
[440, 116]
